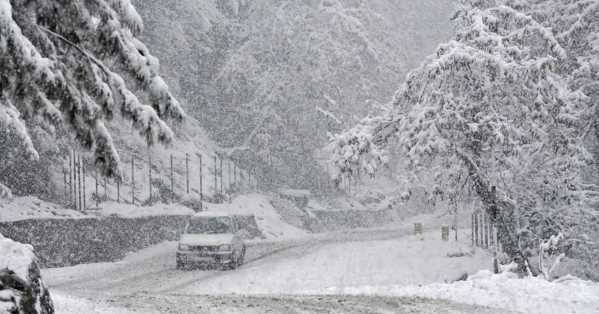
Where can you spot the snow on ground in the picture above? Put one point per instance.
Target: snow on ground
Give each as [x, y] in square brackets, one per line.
[128, 211]
[30, 207]
[503, 291]
[267, 217]
[67, 304]
[403, 261]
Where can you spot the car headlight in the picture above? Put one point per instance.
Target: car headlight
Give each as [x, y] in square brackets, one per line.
[225, 247]
[183, 247]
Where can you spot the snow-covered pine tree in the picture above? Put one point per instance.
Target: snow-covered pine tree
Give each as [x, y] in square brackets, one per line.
[510, 102]
[73, 64]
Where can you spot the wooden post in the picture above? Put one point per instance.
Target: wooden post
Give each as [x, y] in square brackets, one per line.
[105, 189]
[132, 179]
[187, 171]
[172, 180]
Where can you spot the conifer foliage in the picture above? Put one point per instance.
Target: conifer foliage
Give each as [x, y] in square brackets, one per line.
[71, 65]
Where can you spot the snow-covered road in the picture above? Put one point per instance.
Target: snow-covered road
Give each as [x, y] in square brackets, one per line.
[294, 267]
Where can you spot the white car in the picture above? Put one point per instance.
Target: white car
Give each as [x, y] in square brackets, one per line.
[210, 239]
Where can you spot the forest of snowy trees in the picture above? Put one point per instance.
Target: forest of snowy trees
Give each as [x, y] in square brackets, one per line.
[255, 72]
[508, 108]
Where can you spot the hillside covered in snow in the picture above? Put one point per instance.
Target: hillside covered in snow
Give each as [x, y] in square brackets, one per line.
[259, 74]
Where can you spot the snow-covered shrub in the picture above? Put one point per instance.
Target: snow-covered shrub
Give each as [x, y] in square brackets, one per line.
[21, 287]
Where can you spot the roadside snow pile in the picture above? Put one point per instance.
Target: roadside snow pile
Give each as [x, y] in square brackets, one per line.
[504, 291]
[268, 219]
[21, 286]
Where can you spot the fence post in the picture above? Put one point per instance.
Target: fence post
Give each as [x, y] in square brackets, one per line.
[64, 174]
[132, 179]
[79, 181]
[70, 178]
[221, 175]
[229, 171]
[472, 228]
[84, 184]
[476, 233]
[172, 181]
[105, 189]
[235, 174]
[187, 171]
[97, 195]
[215, 174]
[150, 175]
[201, 183]
[118, 190]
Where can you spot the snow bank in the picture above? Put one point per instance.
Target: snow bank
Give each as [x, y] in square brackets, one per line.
[66, 304]
[504, 291]
[268, 219]
[21, 287]
[16, 256]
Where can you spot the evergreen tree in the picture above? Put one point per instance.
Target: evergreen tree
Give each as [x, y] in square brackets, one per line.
[73, 64]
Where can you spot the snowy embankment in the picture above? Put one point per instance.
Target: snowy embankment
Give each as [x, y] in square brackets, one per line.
[30, 207]
[503, 291]
[21, 287]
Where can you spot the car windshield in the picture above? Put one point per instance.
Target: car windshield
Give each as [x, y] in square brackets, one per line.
[209, 225]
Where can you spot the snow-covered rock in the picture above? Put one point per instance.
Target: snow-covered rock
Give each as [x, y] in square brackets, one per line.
[21, 287]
